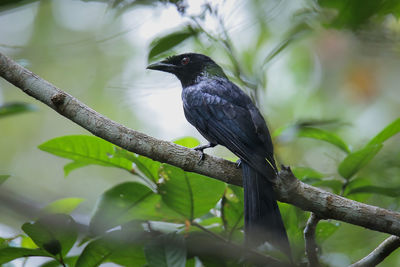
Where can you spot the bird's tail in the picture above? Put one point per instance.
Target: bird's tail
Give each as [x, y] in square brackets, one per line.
[263, 221]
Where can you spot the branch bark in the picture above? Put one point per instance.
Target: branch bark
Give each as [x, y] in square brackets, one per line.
[288, 188]
[310, 243]
[380, 253]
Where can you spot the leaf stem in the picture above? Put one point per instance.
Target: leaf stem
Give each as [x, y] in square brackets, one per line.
[61, 260]
[309, 238]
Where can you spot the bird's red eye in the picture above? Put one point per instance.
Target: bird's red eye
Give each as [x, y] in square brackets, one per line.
[185, 60]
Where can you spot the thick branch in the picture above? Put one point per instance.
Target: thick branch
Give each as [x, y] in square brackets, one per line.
[288, 188]
[309, 238]
[380, 253]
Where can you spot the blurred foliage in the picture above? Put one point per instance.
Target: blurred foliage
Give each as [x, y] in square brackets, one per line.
[186, 199]
[353, 14]
[15, 108]
[163, 216]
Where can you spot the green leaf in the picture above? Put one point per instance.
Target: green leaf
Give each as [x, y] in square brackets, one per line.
[232, 209]
[3, 243]
[354, 14]
[354, 183]
[211, 222]
[149, 167]
[390, 130]
[167, 42]
[55, 233]
[117, 246]
[189, 194]
[15, 108]
[358, 159]
[323, 135]
[370, 189]
[324, 230]
[3, 178]
[166, 251]
[296, 32]
[189, 142]
[87, 150]
[126, 202]
[129, 255]
[303, 173]
[335, 185]
[11, 253]
[95, 253]
[27, 242]
[294, 219]
[145, 165]
[64, 205]
[69, 167]
[69, 261]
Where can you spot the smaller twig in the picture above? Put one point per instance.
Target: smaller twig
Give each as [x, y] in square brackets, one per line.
[25, 261]
[380, 253]
[344, 186]
[62, 260]
[309, 238]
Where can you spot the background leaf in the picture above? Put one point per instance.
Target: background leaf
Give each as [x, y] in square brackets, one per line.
[85, 149]
[166, 251]
[358, 159]
[232, 212]
[129, 255]
[69, 167]
[190, 194]
[334, 184]
[119, 246]
[386, 191]
[27, 242]
[187, 141]
[325, 229]
[169, 41]
[56, 233]
[303, 173]
[3, 178]
[64, 205]
[122, 203]
[15, 108]
[323, 135]
[95, 253]
[354, 14]
[145, 165]
[70, 261]
[390, 130]
[10, 253]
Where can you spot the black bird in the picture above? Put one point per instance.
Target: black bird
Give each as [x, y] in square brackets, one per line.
[226, 116]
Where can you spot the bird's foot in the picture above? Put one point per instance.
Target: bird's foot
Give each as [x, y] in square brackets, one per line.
[238, 164]
[201, 158]
[201, 150]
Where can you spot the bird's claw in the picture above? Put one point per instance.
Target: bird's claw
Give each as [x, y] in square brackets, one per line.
[201, 158]
[238, 164]
[200, 149]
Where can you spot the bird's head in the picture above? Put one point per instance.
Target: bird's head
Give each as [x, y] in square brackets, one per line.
[188, 67]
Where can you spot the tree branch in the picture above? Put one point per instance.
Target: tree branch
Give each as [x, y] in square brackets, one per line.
[309, 238]
[287, 187]
[380, 253]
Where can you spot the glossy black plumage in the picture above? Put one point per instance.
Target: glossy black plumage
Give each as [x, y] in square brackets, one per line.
[225, 115]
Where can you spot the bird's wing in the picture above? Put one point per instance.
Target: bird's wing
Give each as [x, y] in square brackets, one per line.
[226, 123]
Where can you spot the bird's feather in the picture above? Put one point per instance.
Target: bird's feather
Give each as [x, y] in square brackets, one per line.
[230, 120]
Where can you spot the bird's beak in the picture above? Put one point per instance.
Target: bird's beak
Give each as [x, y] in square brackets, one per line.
[162, 66]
